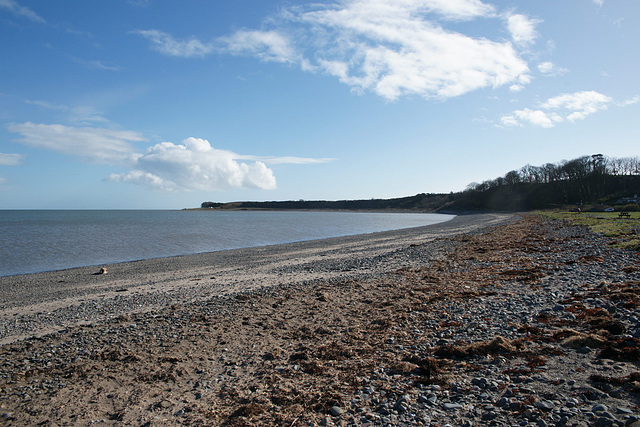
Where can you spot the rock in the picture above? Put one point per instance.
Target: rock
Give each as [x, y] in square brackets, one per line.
[584, 350]
[336, 410]
[604, 422]
[545, 405]
[598, 407]
[504, 401]
[451, 406]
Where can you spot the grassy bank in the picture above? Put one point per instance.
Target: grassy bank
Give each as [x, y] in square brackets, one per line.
[624, 231]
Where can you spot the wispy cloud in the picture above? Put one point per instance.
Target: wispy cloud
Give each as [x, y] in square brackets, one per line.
[79, 114]
[94, 64]
[271, 160]
[15, 8]
[569, 106]
[168, 45]
[192, 165]
[630, 101]
[392, 48]
[90, 144]
[266, 45]
[10, 159]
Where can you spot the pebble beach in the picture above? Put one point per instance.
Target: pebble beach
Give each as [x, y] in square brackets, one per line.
[492, 319]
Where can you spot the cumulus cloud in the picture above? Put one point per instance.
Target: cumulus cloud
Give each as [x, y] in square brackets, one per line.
[10, 159]
[535, 117]
[522, 28]
[392, 48]
[192, 165]
[15, 8]
[91, 144]
[569, 106]
[196, 165]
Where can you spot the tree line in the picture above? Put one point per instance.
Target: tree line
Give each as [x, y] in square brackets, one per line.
[594, 180]
[576, 169]
[588, 180]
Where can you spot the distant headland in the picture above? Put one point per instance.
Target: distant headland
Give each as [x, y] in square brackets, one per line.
[592, 182]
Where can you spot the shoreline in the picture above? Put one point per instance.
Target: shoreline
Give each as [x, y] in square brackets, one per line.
[114, 242]
[39, 303]
[518, 320]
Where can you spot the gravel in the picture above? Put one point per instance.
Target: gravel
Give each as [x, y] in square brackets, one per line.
[530, 323]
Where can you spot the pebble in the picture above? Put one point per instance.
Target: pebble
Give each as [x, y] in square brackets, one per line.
[336, 410]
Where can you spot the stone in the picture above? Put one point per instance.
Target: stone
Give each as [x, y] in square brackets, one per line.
[599, 407]
[336, 410]
[545, 405]
[451, 406]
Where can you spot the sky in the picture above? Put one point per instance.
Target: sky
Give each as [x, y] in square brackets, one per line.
[157, 104]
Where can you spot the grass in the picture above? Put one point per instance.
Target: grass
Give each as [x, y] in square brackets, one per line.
[624, 231]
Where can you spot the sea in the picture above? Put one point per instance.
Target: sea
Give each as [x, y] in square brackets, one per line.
[34, 241]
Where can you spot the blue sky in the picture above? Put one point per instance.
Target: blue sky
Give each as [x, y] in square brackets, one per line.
[162, 104]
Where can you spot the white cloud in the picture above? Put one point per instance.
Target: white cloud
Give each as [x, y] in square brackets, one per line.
[538, 117]
[599, 2]
[168, 45]
[91, 144]
[551, 69]
[510, 120]
[522, 29]
[94, 64]
[579, 104]
[10, 159]
[456, 9]
[287, 160]
[392, 48]
[266, 45]
[15, 8]
[192, 165]
[397, 48]
[630, 101]
[80, 114]
[568, 106]
[196, 165]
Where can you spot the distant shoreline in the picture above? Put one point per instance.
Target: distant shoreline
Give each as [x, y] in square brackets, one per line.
[69, 295]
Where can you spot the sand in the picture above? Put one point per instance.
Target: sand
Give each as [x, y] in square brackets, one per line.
[40, 303]
[486, 319]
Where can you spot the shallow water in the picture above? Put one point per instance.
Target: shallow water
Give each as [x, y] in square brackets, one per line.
[35, 241]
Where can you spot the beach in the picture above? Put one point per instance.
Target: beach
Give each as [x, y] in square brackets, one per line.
[488, 319]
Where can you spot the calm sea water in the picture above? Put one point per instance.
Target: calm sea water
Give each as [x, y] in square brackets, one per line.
[35, 241]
